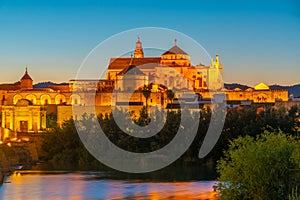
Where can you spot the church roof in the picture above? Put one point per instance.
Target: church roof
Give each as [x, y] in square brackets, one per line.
[121, 63]
[175, 50]
[131, 69]
[261, 86]
[14, 86]
[26, 76]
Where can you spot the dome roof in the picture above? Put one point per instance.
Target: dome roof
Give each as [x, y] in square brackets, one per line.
[175, 50]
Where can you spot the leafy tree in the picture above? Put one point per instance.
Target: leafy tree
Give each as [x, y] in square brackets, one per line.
[64, 149]
[51, 120]
[263, 168]
[144, 118]
[170, 96]
[245, 121]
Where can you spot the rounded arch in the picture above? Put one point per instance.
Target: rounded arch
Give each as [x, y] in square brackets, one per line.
[74, 99]
[16, 98]
[60, 99]
[45, 99]
[32, 98]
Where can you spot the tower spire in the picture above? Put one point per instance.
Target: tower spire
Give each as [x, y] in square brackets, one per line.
[138, 52]
[26, 80]
[175, 42]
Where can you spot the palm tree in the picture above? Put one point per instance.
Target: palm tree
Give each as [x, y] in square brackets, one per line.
[146, 92]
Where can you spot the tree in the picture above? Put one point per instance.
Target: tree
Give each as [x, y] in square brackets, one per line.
[263, 168]
[146, 92]
[51, 120]
[64, 149]
[170, 96]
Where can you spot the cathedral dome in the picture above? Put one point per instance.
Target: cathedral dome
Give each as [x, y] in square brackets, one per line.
[175, 57]
[175, 50]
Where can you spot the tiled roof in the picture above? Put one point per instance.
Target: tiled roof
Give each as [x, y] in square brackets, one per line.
[121, 63]
[175, 50]
[131, 70]
[26, 76]
[14, 86]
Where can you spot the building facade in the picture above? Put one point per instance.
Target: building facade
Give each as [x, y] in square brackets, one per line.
[172, 69]
[25, 108]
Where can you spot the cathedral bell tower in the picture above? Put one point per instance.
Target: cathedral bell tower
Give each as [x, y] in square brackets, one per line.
[138, 52]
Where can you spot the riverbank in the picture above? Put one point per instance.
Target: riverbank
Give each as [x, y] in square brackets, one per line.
[14, 156]
[4, 164]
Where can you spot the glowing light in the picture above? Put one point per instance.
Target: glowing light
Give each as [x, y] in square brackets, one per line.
[261, 86]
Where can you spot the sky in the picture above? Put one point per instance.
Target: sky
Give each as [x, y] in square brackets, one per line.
[257, 41]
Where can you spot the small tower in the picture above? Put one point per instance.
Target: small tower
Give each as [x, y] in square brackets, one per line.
[26, 81]
[215, 64]
[215, 79]
[138, 52]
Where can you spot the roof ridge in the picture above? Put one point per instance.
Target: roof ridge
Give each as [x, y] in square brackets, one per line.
[175, 50]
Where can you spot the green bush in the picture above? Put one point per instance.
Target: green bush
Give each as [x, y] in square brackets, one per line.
[263, 168]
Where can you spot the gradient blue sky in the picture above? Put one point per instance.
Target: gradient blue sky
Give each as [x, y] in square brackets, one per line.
[256, 40]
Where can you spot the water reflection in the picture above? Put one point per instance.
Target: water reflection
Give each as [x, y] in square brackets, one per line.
[35, 185]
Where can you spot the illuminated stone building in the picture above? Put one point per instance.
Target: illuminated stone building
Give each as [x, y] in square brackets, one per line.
[24, 117]
[261, 93]
[24, 108]
[173, 69]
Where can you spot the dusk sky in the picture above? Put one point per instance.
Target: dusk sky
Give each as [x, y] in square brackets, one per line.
[258, 41]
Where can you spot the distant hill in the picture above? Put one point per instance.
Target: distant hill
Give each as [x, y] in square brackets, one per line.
[47, 84]
[232, 86]
[294, 89]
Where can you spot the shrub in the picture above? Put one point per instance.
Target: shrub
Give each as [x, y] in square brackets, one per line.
[263, 168]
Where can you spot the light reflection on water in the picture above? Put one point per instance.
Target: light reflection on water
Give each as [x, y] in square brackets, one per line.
[35, 185]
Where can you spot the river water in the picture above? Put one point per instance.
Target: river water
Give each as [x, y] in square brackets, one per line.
[58, 185]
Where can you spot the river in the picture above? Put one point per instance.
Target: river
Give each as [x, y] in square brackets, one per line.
[59, 185]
